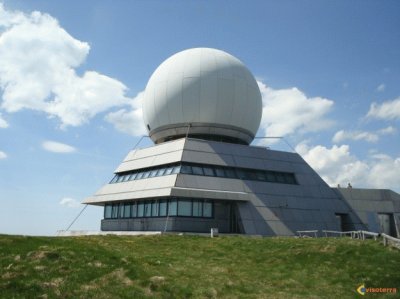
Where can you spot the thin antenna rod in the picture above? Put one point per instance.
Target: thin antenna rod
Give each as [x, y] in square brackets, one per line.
[277, 137]
[76, 217]
[140, 140]
[187, 132]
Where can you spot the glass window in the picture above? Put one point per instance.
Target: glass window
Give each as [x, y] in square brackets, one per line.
[114, 179]
[140, 209]
[250, 175]
[163, 207]
[107, 211]
[280, 178]
[207, 209]
[219, 172]
[126, 177]
[115, 211]
[139, 175]
[184, 207]
[146, 174]
[161, 171]
[197, 208]
[197, 170]
[154, 208]
[186, 169]
[120, 178]
[147, 209]
[172, 207]
[153, 173]
[261, 175]
[230, 173]
[176, 169]
[127, 210]
[241, 174]
[290, 178]
[133, 176]
[208, 171]
[168, 171]
[134, 209]
[271, 177]
[121, 210]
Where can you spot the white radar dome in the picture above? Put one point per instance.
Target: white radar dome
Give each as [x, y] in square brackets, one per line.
[203, 93]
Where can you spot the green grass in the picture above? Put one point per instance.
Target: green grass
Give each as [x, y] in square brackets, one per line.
[171, 266]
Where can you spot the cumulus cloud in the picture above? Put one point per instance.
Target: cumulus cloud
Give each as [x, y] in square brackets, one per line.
[38, 71]
[3, 155]
[389, 110]
[70, 202]
[337, 165]
[3, 123]
[129, 121]
[343, 135]
[381, 88]
[289, 111]
[57, 147]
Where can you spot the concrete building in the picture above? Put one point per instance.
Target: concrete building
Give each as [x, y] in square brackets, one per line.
[202, 108]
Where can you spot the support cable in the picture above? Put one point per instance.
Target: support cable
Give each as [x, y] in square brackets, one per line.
[76, 218]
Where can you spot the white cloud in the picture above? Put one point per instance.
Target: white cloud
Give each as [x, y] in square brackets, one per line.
[37, 71]
[289, 111]
[57, 147]
[354, 135]
[3, 123]
[129, 121]
[387, 110]
[387, 131]
[3, 155]
[337, 165]
[70, 202]
[381, 87]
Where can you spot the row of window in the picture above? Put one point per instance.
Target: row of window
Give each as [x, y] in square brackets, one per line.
[184, 207]
[207, 170]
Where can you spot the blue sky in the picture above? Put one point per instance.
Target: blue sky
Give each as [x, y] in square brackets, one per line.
[72, 73]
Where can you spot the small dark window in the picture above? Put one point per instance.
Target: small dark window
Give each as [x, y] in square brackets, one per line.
[219, 172]
[163, 207]
[208, 171]
[153, 173]
[176, 169]
[161, 171]
[139, 175]
[114, 179]
[230, 173]
[134, 209]
[197, 170]
[186, 169]
[133, 176]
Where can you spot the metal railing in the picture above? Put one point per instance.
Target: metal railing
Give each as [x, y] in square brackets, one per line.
[308, 233]
[354, 234]
[389, 240]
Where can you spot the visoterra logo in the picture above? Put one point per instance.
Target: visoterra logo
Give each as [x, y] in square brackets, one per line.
[361, 289]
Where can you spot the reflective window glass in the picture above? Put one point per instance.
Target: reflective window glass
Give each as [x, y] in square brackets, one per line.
[241, 174]
[172, 207]
[208, 171]
[197, 170]
[290, 179]
[261, 175]
[133, 176]
[147, 209]
[176, 169]
[146, 174]
[115, 211]
[280, 178]
[230, 173]
[121, 211]
[139, 175]
[120, 178]
[168, 171]
[186, 169]
[153, 173]
[107, 211]
[154, 208]
[114, 179]
[161, 171]
[271, 177]
[219, 172]
[207, 209]
[197, 208]
[140, 209]
[127, 210]
[163, 207]
[126, 177]
[134, 209]
[184, 207]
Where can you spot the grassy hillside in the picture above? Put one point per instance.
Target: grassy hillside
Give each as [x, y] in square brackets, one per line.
[172, 266]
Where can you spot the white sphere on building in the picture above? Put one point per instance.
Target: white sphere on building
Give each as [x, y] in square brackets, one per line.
[204, 93]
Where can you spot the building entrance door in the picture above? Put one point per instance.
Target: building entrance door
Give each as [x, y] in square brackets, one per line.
[384, 223]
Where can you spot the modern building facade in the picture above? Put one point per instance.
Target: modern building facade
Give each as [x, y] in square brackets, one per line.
[202, 108]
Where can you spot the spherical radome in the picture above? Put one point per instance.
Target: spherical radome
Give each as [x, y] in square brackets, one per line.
[202, 92]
